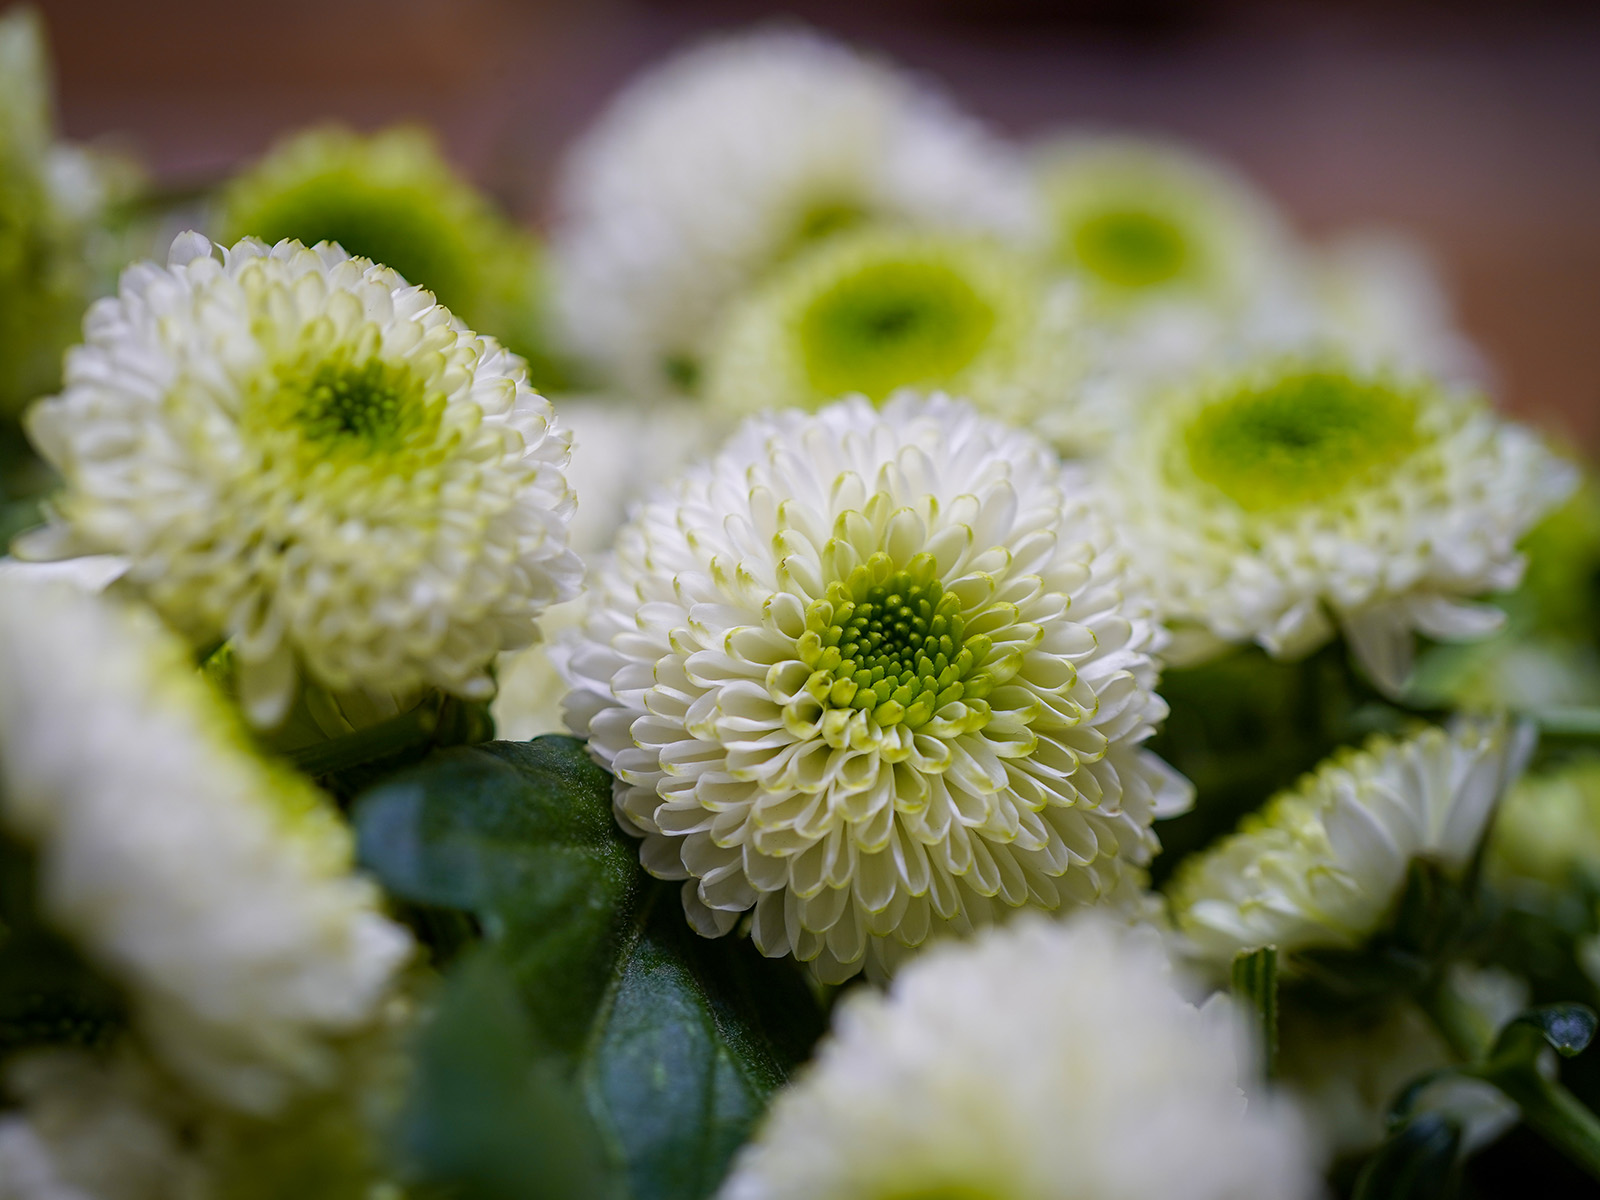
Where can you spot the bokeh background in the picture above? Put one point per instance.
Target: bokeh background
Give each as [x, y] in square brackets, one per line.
[1475, 126]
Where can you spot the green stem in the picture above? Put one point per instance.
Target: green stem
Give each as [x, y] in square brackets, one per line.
[404, 732]
[1555, 1114]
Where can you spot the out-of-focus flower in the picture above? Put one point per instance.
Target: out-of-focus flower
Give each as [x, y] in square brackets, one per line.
[880, 310]
[873, 675]
[1322, 864]
[52, 201]
[1274, 504]
[297, 452]
[213, 887]
[1140, 221]
[1038, 1062]
[706, 172]
[1550, 826]
[390, 197]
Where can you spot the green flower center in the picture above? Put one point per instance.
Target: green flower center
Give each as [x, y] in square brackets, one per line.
[943, 1192]
[893, 644]
[1301, 438]
[1130, 248]
[349, 409]
[892, 324]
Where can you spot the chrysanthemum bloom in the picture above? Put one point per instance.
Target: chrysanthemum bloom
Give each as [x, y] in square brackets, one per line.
[391, 198]
[213, 888]
[53, 199]
[879, 310]
[298, 453]
[1141, 220]
[1042, 1062]
[714, 167]
[872, 675]
[1323, 864]
[1280, 502]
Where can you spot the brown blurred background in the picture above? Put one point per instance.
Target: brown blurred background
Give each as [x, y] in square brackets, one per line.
[1474, 125]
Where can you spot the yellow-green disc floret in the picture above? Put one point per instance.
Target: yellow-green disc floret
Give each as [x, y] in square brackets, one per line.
[1300, 437]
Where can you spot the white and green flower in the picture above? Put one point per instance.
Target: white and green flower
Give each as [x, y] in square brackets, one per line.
[390, 197]
[713, 168]
[1279, 503]
[880, 310]
[297, 453]
[1323, 864]
[873, 675]
[1038, 1062]
[214, 888]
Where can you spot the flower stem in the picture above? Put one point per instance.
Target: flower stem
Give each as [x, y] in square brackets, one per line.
[1555, 1114]
[1569, 722]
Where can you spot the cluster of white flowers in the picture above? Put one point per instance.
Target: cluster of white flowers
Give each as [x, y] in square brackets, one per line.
[919, 458]
[873, 675]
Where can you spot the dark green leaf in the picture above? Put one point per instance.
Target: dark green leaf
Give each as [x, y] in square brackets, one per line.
[1417, 1163]
[676, 1041]
[487, 1111]
[1255, 984]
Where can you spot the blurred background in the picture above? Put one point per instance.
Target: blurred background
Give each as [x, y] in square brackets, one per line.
[1473, 125]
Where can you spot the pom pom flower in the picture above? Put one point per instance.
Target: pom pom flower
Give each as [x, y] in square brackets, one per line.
[1322, 865]
[213, 887]
[713, 168]
[294, 450]
[391, 198]
[1140, 221]
[881, 310]
[1275, 502]
[1037, 1063]
[872, 676]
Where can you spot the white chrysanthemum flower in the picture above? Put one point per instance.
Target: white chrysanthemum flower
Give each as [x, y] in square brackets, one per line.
[298, 453]
[619, 454]
[1039, 1063]
[872, 675]
[880, 310]
[1323, 864]
[214, 887]
[1271, 504]
[713, 167]
[1141, 221]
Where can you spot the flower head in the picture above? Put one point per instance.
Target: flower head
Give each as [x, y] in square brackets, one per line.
[1039, 1062]
[391, 198]
[880, 310]
[212, 886]
[296, 451]
[871, 674]
[714, 167]
[1322, 864]
[1140, 221]
[1271, 502]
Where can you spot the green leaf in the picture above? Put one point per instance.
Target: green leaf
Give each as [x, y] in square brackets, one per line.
[1255, 984]
[675, 1041]
[1417, 1163]
[487, 1112]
